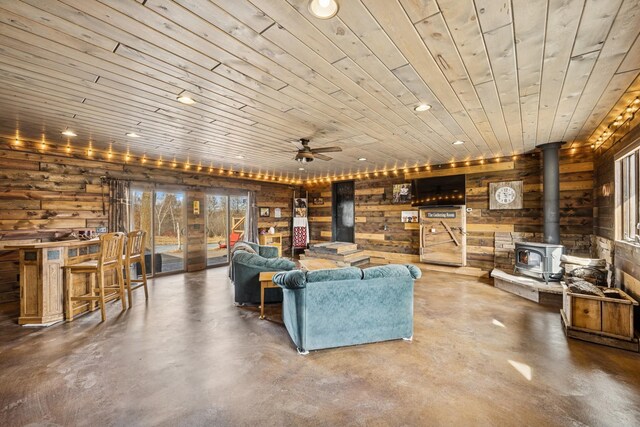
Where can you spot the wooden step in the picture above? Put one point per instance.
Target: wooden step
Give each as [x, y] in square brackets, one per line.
[334, 247]
[336, 257]
[355, 262]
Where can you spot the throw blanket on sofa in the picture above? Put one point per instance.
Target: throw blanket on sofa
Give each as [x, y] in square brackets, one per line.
[242, 246]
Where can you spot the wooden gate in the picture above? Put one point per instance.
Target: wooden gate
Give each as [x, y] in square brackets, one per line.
[443, 235]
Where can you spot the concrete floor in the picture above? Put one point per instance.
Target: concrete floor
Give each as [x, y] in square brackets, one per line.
[188, 357]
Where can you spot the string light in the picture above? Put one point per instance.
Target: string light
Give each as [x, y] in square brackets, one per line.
[620, 119]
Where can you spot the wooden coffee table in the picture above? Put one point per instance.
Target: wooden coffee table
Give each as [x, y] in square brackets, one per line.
[266, 282]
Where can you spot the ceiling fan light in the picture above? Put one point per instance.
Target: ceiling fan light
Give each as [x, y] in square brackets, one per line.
[323, 9]
[68, 132]
[132, 135]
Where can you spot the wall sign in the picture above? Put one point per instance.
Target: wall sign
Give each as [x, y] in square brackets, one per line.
[441, 214]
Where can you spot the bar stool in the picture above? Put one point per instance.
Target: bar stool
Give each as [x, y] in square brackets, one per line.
[135, 255]
[109, 260]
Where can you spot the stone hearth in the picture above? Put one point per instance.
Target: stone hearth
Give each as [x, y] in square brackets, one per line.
[529, 288]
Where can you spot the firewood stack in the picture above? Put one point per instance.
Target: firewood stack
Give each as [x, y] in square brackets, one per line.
[591, 270]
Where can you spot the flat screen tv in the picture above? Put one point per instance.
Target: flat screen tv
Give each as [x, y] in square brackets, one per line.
[438, 191]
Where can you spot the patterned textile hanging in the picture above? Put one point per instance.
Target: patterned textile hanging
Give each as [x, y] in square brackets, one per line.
[300, 223]
[118, 205]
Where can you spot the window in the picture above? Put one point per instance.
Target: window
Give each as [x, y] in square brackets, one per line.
[628, 196]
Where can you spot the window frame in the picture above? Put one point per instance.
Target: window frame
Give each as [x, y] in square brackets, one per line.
[627, 196]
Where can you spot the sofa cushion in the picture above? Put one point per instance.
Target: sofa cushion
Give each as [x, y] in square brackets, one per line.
[391, 270]
[246, 258]
[334, 274]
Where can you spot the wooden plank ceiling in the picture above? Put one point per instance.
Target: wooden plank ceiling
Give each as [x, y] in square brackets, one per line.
[502, 76]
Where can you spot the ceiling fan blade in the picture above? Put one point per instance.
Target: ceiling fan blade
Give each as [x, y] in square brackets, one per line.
[298, 145]
[326, 150]
[322, 156]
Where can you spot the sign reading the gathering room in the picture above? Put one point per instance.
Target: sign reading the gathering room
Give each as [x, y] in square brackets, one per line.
[441, 214]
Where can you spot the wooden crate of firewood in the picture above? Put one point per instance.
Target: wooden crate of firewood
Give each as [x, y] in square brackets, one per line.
[608, 319]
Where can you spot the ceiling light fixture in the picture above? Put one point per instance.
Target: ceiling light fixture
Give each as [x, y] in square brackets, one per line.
[362, 159]
[68, 132]
[458, 142]
[323, 9]
[300, 169]
[422, 107]
[132, 135]
[239, 156]
[186, 100]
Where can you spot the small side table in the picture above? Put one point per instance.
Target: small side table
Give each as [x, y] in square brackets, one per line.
[266, 282]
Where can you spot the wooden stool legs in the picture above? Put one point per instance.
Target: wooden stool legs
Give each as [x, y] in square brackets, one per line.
[129, 280]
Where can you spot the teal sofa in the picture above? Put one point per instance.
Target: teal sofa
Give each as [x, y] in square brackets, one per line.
[347, 306]
[245, 273]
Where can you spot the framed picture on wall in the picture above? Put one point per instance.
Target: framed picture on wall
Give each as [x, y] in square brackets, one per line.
[401, 193]
[265, 212]
[409, 216]
[300, 207]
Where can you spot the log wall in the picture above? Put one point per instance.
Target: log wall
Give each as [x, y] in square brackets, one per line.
[380, 230]
[41, 195]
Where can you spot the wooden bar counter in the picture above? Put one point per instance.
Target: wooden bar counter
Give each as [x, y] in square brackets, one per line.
[42, 278]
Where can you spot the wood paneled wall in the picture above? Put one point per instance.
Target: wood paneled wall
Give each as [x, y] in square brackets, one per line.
[41, 195]
[626, 258]
[380, 230]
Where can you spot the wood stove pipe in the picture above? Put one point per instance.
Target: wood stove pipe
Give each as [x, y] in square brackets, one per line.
[551, 191]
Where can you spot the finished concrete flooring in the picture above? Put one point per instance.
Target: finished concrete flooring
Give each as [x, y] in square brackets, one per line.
[188, 357]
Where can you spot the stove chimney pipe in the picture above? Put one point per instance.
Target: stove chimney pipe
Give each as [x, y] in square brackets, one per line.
[551, 189]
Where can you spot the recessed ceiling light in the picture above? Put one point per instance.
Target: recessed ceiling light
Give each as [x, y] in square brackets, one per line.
[239, 156]
[422, 107]
[362, 159]
[186, 100]
[458, 143]
[68, 132]
[300, 169]
[132, 135]
[323, 9]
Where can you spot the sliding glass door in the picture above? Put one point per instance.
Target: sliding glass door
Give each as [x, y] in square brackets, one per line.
[217, 228]
[225, 224]
[162, 214]
[142, 219]
[238, 212]
[169, 232]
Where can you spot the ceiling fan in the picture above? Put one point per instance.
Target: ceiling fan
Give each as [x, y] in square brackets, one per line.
[307, 154]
